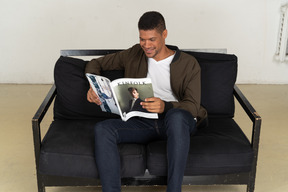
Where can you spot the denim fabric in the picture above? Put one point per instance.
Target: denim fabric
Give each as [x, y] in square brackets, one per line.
[176, 127]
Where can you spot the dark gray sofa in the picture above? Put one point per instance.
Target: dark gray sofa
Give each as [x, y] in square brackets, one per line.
[220, 152]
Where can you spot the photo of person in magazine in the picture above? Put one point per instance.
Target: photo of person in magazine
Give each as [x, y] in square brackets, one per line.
[130, 96]
[134, 103]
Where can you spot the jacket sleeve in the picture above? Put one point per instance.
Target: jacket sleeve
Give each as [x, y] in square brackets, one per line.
[187, 85]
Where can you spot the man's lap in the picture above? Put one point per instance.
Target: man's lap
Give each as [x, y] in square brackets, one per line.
[142, 130]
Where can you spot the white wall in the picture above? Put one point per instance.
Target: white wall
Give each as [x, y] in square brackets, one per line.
[33, 31]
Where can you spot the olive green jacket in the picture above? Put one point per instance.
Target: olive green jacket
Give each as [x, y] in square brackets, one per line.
[185, 75]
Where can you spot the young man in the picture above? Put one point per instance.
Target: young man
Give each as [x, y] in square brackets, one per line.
[176, 84]
[135, 102]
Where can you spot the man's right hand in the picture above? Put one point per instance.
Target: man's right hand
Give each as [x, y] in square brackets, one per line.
[92, 97]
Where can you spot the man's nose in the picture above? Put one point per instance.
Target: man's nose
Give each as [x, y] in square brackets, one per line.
[146, 44]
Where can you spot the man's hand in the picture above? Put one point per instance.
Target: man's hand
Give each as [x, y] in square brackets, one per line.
[92, 97]
[154, 105]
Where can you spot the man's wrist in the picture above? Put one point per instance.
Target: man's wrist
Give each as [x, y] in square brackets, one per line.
[168, 105]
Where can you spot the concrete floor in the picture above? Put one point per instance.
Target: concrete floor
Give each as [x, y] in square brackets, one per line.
[18, 104]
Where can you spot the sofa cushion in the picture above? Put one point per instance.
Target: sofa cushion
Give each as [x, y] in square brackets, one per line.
[68, 150]
[221, 148]
[72, 87]
[218, 76]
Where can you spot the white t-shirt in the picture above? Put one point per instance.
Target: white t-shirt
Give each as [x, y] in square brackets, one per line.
[159, 72]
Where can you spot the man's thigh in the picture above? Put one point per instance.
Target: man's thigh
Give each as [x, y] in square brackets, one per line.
[135, 130]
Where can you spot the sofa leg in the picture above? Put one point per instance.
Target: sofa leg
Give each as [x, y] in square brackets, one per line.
[252, 179]
[250, 188]
[251, 185]
[41, 189]
[41, 186]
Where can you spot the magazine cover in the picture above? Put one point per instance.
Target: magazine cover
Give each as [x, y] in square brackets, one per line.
[123, 96]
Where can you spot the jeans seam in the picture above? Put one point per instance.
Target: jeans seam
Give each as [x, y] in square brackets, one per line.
[157, 127]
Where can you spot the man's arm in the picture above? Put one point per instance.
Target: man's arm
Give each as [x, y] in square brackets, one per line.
[191, 97]
[113, 61]
[109, 62]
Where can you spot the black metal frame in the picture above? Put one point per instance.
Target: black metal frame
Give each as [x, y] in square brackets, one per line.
[231, 179]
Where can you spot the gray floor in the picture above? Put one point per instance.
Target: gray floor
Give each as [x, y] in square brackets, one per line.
[17, 167]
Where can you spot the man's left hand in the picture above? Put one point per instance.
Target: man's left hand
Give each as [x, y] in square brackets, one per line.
[154, 105]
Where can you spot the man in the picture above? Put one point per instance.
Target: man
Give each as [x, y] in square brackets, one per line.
[135, 102]
[176, 84]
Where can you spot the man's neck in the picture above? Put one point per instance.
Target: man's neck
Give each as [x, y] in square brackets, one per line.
[166, 53]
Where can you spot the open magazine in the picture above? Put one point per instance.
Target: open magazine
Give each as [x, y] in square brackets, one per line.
[123, 96]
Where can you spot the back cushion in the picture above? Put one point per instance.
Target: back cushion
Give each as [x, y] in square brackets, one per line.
[218, 76]
[72, 87]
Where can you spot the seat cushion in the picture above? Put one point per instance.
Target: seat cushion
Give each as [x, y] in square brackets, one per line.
[221, 148]
[68, 150]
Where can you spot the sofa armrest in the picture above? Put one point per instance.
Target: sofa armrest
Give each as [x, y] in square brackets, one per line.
[45, 105]
[256, 119]
[37, 119]
[252, 113]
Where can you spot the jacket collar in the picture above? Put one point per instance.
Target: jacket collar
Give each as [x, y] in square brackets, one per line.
[177, 52]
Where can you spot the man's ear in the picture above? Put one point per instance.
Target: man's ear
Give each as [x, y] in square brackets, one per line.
[165, 33]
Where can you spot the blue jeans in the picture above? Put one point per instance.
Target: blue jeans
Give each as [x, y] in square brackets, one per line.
[176, 127]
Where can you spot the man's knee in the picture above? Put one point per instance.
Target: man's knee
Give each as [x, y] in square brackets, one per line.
[104, 129]
[179, 120]
[179, 115]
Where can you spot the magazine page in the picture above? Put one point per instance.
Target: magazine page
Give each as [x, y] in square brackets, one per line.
[130, 92]
[101, 86]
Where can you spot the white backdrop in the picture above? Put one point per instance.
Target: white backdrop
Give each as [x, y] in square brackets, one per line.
[32, 32]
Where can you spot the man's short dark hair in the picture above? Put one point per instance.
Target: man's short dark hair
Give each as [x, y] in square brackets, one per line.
[152, 20]
[131, 89]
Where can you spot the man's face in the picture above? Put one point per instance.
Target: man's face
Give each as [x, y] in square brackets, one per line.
[135, 94]
[152, 42]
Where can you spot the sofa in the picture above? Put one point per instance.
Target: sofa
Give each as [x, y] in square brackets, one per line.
[220, 152]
